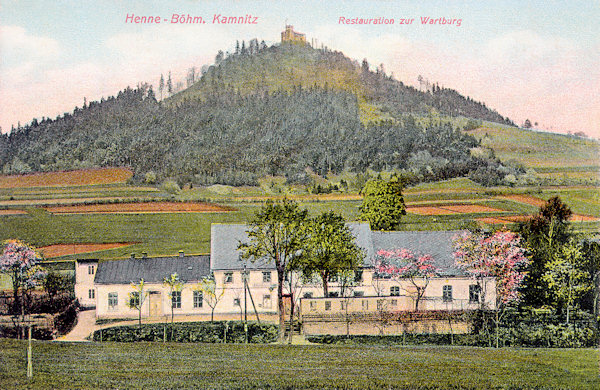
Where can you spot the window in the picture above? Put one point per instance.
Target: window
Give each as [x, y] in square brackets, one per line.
[380, 304]
[198, 298]
[267, 301]
[395, 291]
[365, 304]
[267, 277]
[134, 299]
[447, 293]
[359, 293]
[327, 305]
[308, 295]
[343, 305]
[474, 291]
[313, 305]
[90, 269]
[236, 301]
[113, 300]
[334, 294]
[176, 299]
[228, 277]
[394, 302]
[92, 294]
[358, 276]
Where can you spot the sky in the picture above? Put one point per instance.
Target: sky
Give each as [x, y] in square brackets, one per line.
[537, 60]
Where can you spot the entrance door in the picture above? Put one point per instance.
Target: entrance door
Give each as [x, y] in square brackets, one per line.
[155, 304]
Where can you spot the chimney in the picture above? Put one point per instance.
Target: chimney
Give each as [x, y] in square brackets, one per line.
[180, 253]
[133, 255]
[144, 255]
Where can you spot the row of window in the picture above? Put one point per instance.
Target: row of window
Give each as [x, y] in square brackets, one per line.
[266, 277]
[134, 299]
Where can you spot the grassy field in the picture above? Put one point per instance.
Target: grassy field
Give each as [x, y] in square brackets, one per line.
[219, 366]
[537, 149]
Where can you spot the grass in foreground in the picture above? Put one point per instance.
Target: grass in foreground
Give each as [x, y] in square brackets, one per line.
[218, 366]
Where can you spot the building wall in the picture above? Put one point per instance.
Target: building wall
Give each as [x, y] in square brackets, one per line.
[155, 291]
[289, 35]
[85, 290]
[262, 286]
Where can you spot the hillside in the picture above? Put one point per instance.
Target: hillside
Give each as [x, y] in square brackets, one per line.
[264, 111]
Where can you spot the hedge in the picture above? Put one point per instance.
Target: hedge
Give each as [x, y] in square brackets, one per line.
[193, 332]
[521, 335]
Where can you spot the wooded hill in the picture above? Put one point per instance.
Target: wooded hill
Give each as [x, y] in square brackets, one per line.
[263, 111]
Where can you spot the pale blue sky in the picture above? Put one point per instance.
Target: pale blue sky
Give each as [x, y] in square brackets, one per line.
[524, 59]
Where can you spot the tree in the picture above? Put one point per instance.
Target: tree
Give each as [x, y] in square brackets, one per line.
[55, 283]
[566, 277]
[208, 287]
[169, 84]
[527, 124]
[383, 203]
[161, 86]
[543, 235]
[404, 264]
[137, 298]
[175, 286]
[20, 262]
[498, 255]
[328, 249]
[276, 235]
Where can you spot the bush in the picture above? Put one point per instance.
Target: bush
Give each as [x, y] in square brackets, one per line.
[193, 332]
[36, 333]
[66, 320]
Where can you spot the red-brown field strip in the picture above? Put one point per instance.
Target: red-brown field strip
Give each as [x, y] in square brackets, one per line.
[452, 209]
[75, 249]
[70, 178]
[428, 210]
[471, 208]
[148, 207]
[12, 212]
[520, 218]
[527, 199]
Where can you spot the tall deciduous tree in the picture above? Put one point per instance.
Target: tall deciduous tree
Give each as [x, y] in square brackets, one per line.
[543, 235]
[329, 248]
[404, 264]
[383, 203]
[276, 235]
[498, 255]
[566, 276]
[21, 263]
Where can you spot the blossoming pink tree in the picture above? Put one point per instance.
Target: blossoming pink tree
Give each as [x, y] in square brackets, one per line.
[404, 264]
[498, 255]
[20, 262]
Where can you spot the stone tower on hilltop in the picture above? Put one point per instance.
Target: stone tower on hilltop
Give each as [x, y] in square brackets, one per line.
[291, 36]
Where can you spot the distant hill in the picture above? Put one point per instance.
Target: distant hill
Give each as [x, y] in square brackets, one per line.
[265, 111]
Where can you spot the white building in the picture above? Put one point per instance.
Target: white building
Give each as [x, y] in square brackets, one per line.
[107, 285]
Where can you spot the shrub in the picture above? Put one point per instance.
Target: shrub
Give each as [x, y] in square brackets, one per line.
[194, 332]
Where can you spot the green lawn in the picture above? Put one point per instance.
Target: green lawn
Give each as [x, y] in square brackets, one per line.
[219, 366]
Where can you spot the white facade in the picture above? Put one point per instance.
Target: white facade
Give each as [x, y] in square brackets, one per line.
[85, 290]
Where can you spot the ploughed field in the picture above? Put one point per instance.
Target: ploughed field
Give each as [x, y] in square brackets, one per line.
[70, 178]
[234, 366]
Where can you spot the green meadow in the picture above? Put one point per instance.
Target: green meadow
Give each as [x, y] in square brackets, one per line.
[237, 366]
